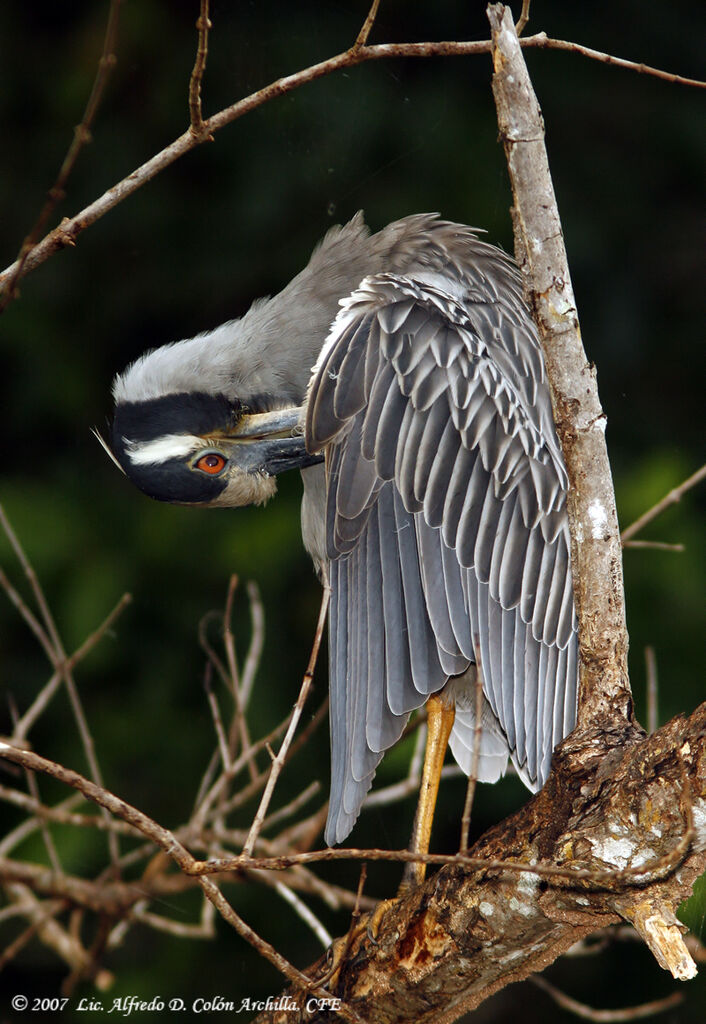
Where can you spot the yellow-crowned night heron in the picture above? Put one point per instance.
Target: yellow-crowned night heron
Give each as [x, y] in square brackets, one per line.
[439, 510]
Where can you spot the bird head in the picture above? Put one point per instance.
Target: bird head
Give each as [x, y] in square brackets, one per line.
[197, 448]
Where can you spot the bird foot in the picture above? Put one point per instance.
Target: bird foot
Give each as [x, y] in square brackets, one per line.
[375, 918]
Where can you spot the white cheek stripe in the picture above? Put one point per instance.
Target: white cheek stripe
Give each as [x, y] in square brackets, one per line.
[171, 446]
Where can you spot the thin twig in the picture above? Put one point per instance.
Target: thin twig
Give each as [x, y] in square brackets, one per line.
[239, 728]
[217, 719]
[300, 908]
[407, 787]
[52, 934]
[171, 927]
[39, 916]
[293, 806]
[228, 638]
[214, 894]
[607, 1016]
[542, 41]
[675, 495]
[82, 135]
[204, 805]
[61, 663]
[400, 790]
[311, 726]
[477, 737]
[43, 824]
[652, 690]
[59, 814]
[29, 617]
[524, 17]
[279, 760]
[30, 825]
[42, 699]
[257, 642]
[203, 24]
[340, 958]
[49, 627]
[656, 545]
[70, 228]
[367, 25]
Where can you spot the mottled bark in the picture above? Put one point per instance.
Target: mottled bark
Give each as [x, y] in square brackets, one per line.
[596, 555]
[628, 815]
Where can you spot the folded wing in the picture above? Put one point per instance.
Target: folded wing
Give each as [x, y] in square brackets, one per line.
[446, 529]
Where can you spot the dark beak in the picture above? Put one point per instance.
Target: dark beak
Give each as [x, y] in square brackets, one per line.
[274, 441]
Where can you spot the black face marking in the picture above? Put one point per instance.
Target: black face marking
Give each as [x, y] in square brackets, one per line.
[185, 413]
[189, 413]
[173, 481]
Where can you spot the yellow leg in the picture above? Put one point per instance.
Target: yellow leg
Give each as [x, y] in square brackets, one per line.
[440, 720]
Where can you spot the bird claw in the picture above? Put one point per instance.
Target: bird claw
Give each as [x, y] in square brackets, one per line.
[375, 918]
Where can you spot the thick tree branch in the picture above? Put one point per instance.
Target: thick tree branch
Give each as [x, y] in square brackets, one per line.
[596, 555]
[464, 934]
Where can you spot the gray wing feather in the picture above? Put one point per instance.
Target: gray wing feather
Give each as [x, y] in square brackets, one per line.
[401, 694]
[427, 673]
[383, 727]
[446, 523]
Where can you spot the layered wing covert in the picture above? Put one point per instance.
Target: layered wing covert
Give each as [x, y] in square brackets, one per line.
[446, 525]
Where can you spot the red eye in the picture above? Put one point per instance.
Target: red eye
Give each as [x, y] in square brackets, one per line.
[212, 463]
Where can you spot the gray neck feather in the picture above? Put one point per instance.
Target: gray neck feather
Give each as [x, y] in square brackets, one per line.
[272, 349]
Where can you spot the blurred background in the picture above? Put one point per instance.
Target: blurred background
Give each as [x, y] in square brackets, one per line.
[234, 220]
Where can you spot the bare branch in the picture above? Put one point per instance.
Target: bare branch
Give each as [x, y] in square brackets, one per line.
[647, 871]
[166, 924]
[27, 905]
[293, 806]
[654, 545]
[203, 24]
[60, 814]
[266, 950]
[30, 825]
[40, 702]
[409, 785]
[228, 638]
[257, 640]
[652, 690]
[217, 720]
[82, 135]
[543, 42]
[524, 17]
[367, 25]
[477, 736]
[675, 495]
[607, 1016]
[278, 762]
[70, 228]
[301, 909]
[239, 728]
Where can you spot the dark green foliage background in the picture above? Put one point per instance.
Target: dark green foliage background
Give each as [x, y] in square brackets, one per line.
[234, 220]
